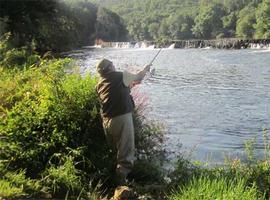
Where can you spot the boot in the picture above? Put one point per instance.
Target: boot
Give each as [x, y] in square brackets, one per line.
[123, 193]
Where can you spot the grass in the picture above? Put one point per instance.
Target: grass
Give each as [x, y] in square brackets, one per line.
[63, 178]
[9, 190]
[15, 184]
[247, 179]
[220, 189]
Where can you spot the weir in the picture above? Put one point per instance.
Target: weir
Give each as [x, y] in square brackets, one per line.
[228, 43]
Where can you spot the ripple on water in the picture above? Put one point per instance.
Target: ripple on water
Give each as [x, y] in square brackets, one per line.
[212, 100]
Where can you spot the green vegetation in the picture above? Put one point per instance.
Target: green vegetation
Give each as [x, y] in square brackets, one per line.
[263, 20]
[188, 19]
[58, 25]
[51, 129]
[245, 22]
[235, 179]
[52, 143]
[208, 24]
[205, 188]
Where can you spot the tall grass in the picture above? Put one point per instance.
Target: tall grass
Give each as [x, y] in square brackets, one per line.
[16, 184]
[63, 177]
[205, 188]
[249, 178]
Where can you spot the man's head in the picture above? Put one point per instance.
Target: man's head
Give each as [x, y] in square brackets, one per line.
[104, 66]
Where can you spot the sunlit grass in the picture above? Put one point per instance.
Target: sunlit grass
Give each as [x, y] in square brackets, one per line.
[64, 177]
[9, 190]
[222, 189]
[15, 184]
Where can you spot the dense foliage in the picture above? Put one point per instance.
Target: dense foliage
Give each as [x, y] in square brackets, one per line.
[263, 20]
[52, 139]
[58, 25]
[187, 19]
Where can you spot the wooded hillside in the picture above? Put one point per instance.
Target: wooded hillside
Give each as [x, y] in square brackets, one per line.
[188, 19]
[58, 25]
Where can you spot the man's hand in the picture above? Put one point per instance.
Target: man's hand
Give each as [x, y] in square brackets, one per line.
[134, 83]
[147, 67]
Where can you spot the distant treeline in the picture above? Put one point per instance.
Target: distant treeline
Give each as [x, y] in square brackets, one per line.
[189, 19]
[54, 25]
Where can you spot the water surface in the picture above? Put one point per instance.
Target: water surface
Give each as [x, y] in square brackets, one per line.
[211, 101]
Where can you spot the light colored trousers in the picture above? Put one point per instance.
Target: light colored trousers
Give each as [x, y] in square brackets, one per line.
[119, 132]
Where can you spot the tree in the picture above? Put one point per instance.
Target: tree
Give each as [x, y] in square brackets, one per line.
[85, 14]
[3, 25]
[109, 26]
[153, 30]
[208, 23]
[229, 24]
[234, 5]
[245, 22]
[180, 26]
[164, 30]
[24, 17]
[262, 28]
[58, 25]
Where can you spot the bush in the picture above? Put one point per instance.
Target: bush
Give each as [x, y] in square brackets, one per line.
[149, 143]
[52, 129]
[17, 57]
[46, 111]
[256, 173]
[182, 172]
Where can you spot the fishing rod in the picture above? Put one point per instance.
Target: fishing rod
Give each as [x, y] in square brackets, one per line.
[155, 57]
[152, 72]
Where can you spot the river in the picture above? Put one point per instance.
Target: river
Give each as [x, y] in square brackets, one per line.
[210, 101]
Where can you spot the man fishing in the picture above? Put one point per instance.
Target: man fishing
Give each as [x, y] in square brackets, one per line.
[117, 105]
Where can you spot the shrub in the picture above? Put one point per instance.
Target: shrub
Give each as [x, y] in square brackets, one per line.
[149, 143]
[47, 113]
[17, 57]
[182, 172]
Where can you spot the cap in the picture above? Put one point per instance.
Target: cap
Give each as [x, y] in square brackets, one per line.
[103, 65]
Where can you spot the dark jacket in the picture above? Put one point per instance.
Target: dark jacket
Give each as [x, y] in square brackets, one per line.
[114, 96]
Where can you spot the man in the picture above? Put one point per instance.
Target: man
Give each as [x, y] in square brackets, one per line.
[117, 105]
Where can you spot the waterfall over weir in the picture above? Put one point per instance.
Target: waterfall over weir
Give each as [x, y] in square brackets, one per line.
[226, 43]
[143, 45]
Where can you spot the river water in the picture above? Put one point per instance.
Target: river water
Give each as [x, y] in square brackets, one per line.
[210, 101]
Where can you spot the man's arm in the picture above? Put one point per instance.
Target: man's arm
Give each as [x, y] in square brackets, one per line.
[131, 79]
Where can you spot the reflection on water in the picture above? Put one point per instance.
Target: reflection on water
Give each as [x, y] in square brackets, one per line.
[213, 100]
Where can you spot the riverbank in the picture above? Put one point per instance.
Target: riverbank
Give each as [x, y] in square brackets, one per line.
[230, 43]
[53, 146]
